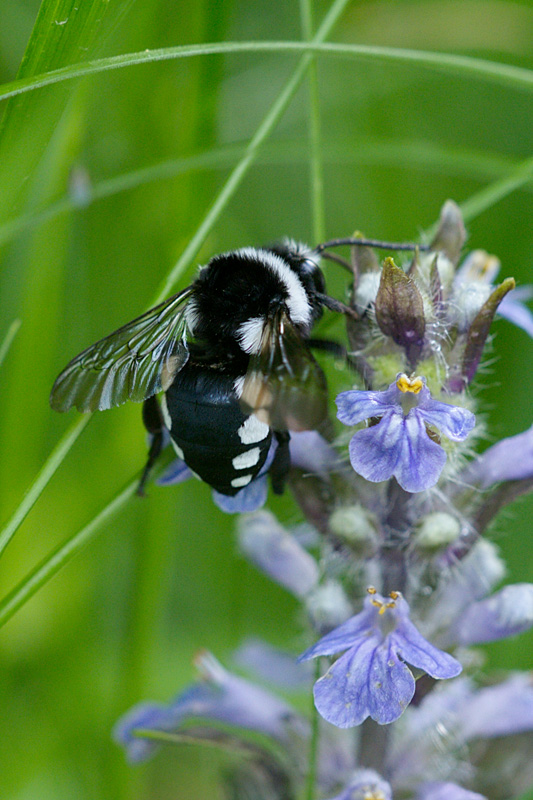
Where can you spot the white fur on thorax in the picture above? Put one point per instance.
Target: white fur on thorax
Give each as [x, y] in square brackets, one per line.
[250, 334]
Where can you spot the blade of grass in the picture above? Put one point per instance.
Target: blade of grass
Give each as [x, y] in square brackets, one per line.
[407, 154]
[63, 30]
[49, 468]
[61, 555]
[448, 63]
[8, 339]
[494, 192]
[315, 139]
[234, 180]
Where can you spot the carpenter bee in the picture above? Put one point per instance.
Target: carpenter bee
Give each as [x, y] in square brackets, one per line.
[232, 355]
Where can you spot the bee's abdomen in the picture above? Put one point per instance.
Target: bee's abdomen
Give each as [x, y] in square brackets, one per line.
[222, 445]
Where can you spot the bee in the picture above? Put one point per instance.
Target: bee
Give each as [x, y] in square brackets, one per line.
[231, 354]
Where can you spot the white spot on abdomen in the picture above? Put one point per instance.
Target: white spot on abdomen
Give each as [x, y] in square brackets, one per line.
[253, 430]
[237, 483]
[247, 459]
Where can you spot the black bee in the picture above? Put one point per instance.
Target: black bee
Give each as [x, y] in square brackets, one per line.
[232, 355]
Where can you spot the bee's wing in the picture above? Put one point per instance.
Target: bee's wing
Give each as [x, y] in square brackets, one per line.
[133, 363]
[285, 386]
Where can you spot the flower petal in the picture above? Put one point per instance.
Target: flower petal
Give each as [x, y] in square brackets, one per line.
[250, 498]
[515, 311]
[312, 453]
[443, 790]
[277, 553]
[506, 613]
[453, 422]
[356, 406]
[342, 637]
[508, 460]
[375, 451]
[501, 710]
[176, 472]
[418, 652]
[368, 680]
[150, 716]
[421, 460]
[365, 784]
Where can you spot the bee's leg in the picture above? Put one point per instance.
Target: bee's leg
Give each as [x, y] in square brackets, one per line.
[153, 422]
[279, 469]
[336, 305]
[327, 346]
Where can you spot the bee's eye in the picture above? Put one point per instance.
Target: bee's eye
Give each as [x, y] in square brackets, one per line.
[320, 283]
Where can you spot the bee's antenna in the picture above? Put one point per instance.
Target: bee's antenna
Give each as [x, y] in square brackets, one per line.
[376, 243]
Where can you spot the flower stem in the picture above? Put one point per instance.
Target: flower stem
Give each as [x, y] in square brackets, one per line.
[373, 744]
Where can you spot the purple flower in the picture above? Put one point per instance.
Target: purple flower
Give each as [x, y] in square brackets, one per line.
[508, 460]
[222, 697]
[366, 784]
[372, 678]
[434, 736]
[399, 443]
[277, 553]
[506, 613]
[444, 790]
[473, 285]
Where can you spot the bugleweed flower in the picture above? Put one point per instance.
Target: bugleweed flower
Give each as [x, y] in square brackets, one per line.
[398, 721]
[220, 697]
[366, 784]
[372, 679]
[399, 444]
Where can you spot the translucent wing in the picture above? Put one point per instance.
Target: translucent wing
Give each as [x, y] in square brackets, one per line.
[133, 363]
[285, 387]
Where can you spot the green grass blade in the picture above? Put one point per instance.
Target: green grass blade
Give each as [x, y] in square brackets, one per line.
[447, 63]
[496, 191]
[61, 555]
[63, 30]
[55, 459]
[8, 339]
[407, 154]
[267, 125]
[316, 172]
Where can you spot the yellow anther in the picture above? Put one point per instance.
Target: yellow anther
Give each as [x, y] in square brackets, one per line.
[382, 609]
[371, 590]
[394, 595]
[406, 384]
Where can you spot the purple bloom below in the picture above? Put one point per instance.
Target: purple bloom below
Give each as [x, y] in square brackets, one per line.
[399, 443]
[372, 678]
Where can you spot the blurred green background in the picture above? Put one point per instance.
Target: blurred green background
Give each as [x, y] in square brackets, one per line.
[103, 182]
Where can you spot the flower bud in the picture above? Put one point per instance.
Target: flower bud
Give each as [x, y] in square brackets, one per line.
[328, 606]
[437, 530]
[357, 527]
